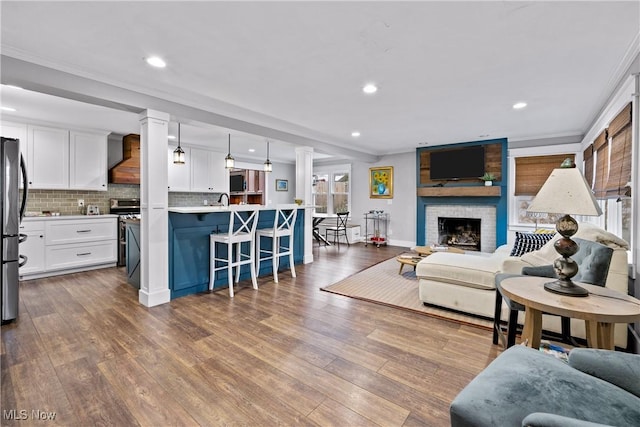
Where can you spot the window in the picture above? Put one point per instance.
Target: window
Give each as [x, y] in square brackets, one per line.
[332, 189]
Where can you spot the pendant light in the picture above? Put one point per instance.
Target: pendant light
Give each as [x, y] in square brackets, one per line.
[229, 162]
[268, 166]
[178, 153]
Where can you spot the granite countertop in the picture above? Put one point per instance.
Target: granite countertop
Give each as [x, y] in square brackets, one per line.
[58, 217]
[249, 207]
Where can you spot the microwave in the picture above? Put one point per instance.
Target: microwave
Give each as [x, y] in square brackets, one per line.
[236, 183]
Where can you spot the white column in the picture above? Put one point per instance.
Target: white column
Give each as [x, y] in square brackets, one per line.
[304, 177]
[154, 225]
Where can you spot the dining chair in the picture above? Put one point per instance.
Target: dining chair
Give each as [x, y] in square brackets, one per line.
[281, 235]
[340, 228]
[242, 230]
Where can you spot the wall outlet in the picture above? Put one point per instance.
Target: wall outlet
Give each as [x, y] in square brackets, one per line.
[81, 203]
[204, 202]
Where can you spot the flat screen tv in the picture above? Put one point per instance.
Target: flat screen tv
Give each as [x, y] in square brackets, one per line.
[236, 183]
[457, 163]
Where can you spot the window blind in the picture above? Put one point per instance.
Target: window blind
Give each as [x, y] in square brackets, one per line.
[533, 171]
[601, 149]
[620, 157]
[587, 155]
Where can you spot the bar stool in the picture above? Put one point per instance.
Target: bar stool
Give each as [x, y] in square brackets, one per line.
[242, 229]
[283, 224]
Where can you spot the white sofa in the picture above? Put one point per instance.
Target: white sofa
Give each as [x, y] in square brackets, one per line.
[466, 282]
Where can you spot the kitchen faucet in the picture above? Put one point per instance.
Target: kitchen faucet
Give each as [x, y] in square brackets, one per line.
[220, 198]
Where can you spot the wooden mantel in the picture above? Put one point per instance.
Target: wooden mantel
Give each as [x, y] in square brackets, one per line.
[468, 191]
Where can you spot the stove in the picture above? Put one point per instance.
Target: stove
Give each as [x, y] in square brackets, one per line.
[125, 209]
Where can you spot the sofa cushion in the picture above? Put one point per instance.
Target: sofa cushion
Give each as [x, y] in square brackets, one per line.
[521, 381]
[527, 242]
[473, 270]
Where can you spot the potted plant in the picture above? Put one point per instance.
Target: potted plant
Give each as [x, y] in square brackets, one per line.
[488, 178]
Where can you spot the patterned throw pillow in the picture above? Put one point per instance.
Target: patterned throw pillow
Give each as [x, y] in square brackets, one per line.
[527, 242]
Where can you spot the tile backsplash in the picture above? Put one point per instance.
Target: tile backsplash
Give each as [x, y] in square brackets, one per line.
[66, 201]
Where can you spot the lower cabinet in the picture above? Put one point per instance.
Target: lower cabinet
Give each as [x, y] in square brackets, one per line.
[67, 245]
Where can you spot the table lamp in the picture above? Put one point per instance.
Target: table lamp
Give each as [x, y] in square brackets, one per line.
[566, 192]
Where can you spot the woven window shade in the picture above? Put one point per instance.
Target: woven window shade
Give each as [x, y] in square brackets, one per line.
[587, 155]
[532, 172]
[601, 148]
[620, 158]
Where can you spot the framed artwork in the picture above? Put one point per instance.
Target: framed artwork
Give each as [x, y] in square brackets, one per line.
[282, 185]
[381, 182]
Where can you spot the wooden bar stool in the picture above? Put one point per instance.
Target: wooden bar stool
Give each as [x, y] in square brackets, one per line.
[283, 225]
[242, 229]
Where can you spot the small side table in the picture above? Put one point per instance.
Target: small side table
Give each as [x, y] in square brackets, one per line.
[600, 310]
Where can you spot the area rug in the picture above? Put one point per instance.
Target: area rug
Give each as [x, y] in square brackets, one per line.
[381, 284]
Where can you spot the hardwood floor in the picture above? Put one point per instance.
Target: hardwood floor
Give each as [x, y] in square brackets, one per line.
[84, 350]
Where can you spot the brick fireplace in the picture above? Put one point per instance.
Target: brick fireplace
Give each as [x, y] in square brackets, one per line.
[461, 218]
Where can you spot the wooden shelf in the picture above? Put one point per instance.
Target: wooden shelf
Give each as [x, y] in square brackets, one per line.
[475, 191]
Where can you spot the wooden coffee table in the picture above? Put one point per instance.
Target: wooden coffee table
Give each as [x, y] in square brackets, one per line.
[421, 252]
[600, 310]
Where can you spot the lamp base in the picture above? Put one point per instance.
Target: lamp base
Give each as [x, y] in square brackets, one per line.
[567, 288]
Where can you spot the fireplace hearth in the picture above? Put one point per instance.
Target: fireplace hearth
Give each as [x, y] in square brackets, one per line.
[462, 233]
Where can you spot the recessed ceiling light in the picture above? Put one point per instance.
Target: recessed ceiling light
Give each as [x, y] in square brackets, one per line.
[171, 137]
[156, 61]
[519, 105]
[355, 134]
[252, 150]
[370, 88]
[7, 109]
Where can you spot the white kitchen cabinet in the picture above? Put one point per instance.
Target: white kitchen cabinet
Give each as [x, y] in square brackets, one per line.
[179, 178]
[48, 157]
[61, 245]
[88, 161]
[33, 247]
[218, 173]
[207, 171]
[16, 131]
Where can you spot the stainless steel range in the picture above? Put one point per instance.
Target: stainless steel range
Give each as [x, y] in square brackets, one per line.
[125, 209]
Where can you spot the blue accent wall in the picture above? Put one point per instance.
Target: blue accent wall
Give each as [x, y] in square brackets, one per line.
[189, 250]
[499, 202]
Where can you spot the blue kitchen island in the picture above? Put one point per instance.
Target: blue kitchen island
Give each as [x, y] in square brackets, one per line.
[189, 230]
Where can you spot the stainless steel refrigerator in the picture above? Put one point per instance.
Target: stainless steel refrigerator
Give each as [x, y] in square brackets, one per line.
[12, 210]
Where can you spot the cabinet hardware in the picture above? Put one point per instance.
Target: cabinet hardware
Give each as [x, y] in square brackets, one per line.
[84, 254]
[83, 231]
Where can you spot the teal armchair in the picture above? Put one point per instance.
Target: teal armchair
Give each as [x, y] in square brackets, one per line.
[525, 387]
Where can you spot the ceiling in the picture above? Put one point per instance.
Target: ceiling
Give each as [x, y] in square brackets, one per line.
[293, 72]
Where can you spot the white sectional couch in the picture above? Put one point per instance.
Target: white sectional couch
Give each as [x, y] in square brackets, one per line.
[466, 282]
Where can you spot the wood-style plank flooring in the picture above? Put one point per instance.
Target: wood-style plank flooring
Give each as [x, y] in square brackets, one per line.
[85, 352]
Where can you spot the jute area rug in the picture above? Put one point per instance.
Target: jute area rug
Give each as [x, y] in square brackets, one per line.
[381, 284]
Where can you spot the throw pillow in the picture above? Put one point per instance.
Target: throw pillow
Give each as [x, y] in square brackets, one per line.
[540, 271]
[527, 242]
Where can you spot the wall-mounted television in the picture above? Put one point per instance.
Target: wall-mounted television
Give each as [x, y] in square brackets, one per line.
[457, 163]
[236, 183]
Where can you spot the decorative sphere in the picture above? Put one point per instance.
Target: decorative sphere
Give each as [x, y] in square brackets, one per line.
[566, 247]
[567, 226]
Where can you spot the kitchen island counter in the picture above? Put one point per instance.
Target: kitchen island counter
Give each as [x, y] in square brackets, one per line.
[189, 230]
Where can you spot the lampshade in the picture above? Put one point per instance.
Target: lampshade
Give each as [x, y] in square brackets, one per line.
[268, 166]
[566, 192]
[178, 153]
[229, 161]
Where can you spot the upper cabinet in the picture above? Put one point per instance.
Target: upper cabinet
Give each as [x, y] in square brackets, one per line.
[48, 157]
[179, 176]
[202, 172]
[88, 161]
[16, 131]
[66, 160]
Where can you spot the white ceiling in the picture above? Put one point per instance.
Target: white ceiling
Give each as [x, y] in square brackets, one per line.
[293, 71]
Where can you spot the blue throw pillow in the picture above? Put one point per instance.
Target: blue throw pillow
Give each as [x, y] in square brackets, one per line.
[527, 242]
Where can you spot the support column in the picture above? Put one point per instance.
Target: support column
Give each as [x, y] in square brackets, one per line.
[304, 179]
[154, 224]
